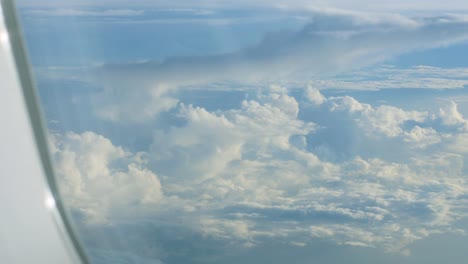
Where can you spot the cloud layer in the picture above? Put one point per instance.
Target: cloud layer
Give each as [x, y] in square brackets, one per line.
[397, 5]
[332, 42]
[266, 171]
[290, 165]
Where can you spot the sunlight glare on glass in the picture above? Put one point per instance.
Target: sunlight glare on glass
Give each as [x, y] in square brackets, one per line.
[4, 38]
[49, 201]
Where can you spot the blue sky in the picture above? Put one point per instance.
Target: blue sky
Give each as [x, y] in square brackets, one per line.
[323, 131]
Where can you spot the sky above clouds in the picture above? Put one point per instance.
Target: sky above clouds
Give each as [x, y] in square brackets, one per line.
[326, 131]
[396, 5]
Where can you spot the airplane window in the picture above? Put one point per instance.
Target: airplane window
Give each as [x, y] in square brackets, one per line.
[257, 131]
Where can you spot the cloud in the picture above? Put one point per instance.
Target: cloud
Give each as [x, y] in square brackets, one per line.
[120, 103]
[451, 117]
[86, 12]
[390, 77]
[338, 40]
[332, 42]
[422, 137]
[249, 175]
[100, 179]
[269, 121]
[386, 120]
[314, 95]
[140, 16]
[397, 5]
[274, 167]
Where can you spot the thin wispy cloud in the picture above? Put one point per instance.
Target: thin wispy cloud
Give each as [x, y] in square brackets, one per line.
[331, 43]
[369, 5]
[86, 12]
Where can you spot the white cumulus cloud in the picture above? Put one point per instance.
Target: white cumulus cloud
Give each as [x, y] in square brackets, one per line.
[249, 174]
[100, 179]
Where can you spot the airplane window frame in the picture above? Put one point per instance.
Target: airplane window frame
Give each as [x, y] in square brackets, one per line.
[55, 239]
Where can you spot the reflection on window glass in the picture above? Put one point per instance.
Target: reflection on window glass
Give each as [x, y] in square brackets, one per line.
[256, 131]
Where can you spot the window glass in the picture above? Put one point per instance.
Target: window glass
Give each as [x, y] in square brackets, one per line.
[257, 131]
